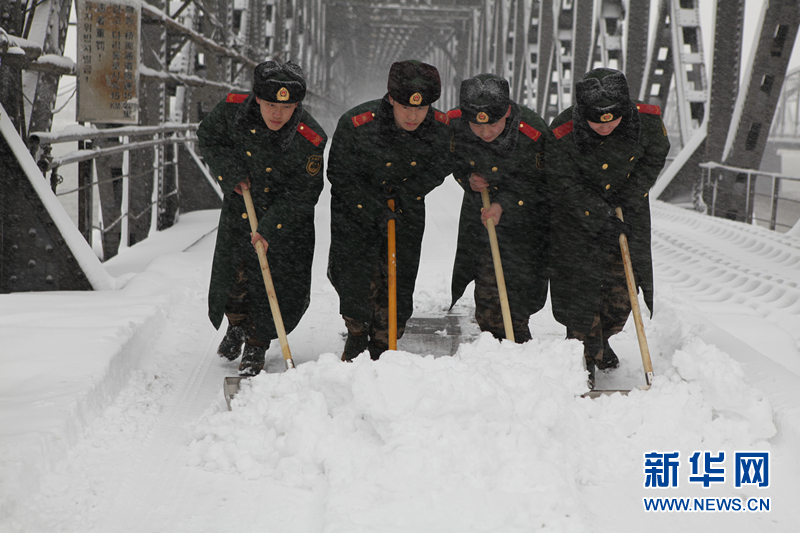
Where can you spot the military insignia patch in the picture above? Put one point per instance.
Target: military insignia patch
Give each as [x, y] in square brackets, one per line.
[482, 118]
[314, 164]
[415, 99]
[608, 117]
[283, 94]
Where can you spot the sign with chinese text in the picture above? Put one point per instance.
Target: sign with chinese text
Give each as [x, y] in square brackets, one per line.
[108, 61]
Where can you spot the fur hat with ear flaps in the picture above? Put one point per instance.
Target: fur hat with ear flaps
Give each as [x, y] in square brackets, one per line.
[282, 84]
[484, 98]
[602, 96]
[413, 83]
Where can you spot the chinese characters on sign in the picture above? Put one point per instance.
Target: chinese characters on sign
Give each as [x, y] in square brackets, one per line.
[108, 61]
[750, 468]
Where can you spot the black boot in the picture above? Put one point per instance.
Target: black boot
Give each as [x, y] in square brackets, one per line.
[252, 360]
[231, 346]
[376, 348]
[610, 359]
[354, 346]
[590, 365]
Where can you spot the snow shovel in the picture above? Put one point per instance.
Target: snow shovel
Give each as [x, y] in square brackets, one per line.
[392, 282]
[231, 385]
[637, 319]
[498, 269]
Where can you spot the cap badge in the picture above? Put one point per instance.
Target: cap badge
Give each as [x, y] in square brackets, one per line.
[283, 94]
[483, 118]
[416, 99]
[608, 117]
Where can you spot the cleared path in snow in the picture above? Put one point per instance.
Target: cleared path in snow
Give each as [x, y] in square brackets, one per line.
[130, 473]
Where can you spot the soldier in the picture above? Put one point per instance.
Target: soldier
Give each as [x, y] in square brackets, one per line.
[266, 142]
[500, 145]
[607, 153]
[397, 147]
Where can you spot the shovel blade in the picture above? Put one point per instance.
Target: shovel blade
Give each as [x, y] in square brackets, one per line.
[598, 393]
[229, 388]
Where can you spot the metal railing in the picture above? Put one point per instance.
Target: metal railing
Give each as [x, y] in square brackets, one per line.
[161, 165]
[715, 173]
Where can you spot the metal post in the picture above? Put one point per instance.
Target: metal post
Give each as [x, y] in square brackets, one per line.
[85, 194]
[124, 205]
[773, 219]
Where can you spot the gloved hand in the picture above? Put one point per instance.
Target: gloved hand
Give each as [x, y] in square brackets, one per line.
[612, 229]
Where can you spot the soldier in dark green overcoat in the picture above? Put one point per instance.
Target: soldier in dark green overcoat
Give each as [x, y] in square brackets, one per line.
[396, 148]
[607, 153]
[500, 145]
[267, 142]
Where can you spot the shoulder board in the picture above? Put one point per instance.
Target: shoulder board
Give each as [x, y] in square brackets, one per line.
[454, 113]
[309, 134]
[564, 129]
[441, 117]
[529, 130]
[648, 109]
[363, 118]
[236, 98]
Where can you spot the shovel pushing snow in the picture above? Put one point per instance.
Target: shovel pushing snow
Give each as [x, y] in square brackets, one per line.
[231, 385]
[637, 319]
[498, 269]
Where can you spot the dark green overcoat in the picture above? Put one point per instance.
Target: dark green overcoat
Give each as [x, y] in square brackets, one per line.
[285, 170]
[514, 166]
[371, 159]
[588, 179]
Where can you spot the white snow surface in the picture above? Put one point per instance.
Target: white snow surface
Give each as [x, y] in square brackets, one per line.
[112, 416]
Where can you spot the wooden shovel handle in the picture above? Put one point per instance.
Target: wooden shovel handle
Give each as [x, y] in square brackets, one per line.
[634, 297]
[390, 230]
[273, 298]
[498, 269]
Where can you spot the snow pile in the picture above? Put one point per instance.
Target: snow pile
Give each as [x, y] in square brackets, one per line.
[495, 438]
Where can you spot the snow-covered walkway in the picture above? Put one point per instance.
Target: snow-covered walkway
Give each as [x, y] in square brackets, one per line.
[112, 416]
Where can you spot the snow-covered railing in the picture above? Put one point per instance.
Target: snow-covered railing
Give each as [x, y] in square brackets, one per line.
[717, 172]
[149, 137]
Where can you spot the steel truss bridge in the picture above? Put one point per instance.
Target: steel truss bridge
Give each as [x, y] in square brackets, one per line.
[195, 51]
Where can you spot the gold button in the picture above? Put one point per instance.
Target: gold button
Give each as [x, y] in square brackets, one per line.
[252, 131]
[608, 186]
[244, 215]
[249, 154]
[419, 197]
[389, 164]
[494, 169]
[373, 114]
[605, 166]
[638, 108]
[413, 163]
[459, 180]
[631, 159]
[220, 178]
[521, 126]
[645, 195]
[301, 127]
[520, 202]
[586, 213]
[269, 169]
[266, 190]
[359, 206]
[280, 226]
[472, 163]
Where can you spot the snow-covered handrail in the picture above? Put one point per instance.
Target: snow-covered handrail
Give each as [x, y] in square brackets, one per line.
[711, 165]
[83, 133]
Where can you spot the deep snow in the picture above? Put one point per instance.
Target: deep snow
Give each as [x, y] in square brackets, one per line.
[112, 416]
